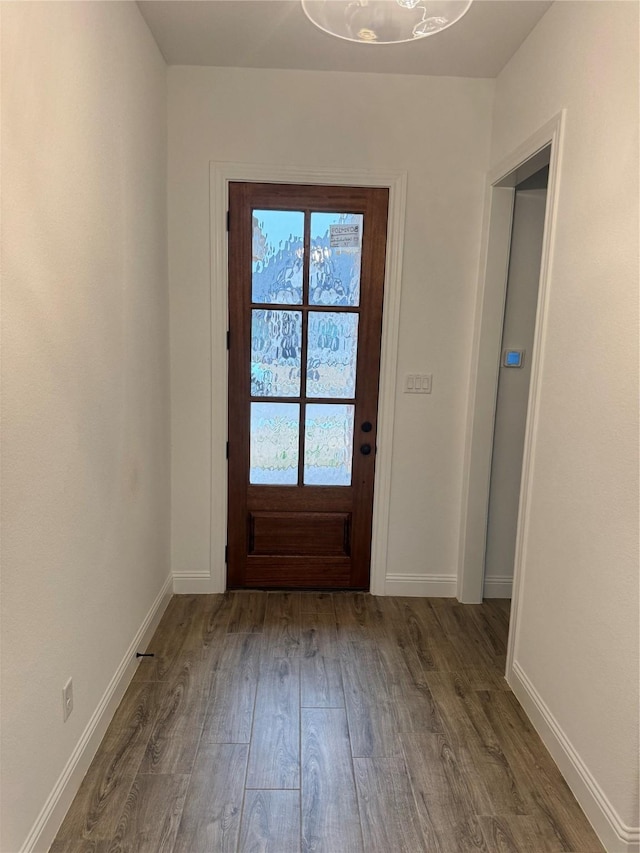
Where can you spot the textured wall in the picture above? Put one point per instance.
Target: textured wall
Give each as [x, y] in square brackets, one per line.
[578, 638]
[85, 399]
[435, 128]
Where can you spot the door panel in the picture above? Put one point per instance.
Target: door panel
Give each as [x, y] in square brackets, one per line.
[303, 533]
[306, 274]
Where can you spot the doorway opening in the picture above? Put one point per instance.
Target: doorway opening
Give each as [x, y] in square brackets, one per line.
[514, 374]
[523, 174]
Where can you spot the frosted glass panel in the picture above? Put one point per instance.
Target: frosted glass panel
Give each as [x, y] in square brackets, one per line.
[336, 255]
[277, 256]
[276, 341]
[328, 448]
[274, 443]
[332, 354]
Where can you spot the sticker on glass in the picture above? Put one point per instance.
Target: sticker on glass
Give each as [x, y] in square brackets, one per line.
[336, 256]
[344, 236]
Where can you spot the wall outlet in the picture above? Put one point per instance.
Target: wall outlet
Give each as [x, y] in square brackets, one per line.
[417, 383]
[67, 700]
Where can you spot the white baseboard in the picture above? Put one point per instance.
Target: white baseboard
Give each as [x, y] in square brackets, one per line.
[423, 586]
[57, 804]
[615, 835]
[192, 583]
[498, 587]
[435, 586]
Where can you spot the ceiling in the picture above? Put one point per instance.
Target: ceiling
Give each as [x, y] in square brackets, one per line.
[277, 34]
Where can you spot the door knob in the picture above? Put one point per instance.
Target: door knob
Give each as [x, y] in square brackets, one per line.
[365, 449]
[366, 426]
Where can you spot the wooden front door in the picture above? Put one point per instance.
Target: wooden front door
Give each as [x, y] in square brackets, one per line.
[306, 275]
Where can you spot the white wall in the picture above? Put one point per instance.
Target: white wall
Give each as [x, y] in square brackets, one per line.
[435, 128]
[85, 394]
[577, 643]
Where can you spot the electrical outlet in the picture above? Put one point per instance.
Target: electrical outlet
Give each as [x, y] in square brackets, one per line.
[67, 700]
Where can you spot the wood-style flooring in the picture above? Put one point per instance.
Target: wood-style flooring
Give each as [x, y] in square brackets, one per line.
[324, 723]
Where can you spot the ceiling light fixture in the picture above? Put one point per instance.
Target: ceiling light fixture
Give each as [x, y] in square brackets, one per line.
[384, 21]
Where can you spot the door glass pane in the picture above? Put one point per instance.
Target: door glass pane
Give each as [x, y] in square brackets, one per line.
[277, 256]
[328, 447]
[276, 341]
[332, 354]
[336, 254]
[274, 443]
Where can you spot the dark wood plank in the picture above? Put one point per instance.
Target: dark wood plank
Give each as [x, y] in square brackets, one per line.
[330, 820]
[456, 622]
[442, 795]
[171, 633]
[548, 796]
[209, 626]
[491, 625]
[519, 834]
[388, 812]
[353, 617]
[133, 721]
[82, 846]
[493, 788]
[274, 756]
[433, 647]
[282, 626]
[230, 712]
[411, 699]
[317, 602]
[150, 818]
[486, 679]
[320, 671]
[176, 731]
[96, 809]
[501, 607]
[247, 613]
[373, 725]
[211, 814]
[94, 813]
[270, 822]
[394, 632]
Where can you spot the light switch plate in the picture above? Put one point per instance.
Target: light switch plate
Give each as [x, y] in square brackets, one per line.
[418, 383]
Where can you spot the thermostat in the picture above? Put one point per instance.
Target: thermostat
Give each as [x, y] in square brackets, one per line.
[513, 358]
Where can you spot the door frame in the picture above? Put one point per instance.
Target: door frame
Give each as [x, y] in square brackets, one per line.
[487, 336]
[221, 174]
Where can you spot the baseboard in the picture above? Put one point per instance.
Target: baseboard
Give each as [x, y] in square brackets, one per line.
[435, 586]
[192, 583]
[615, 835]
[57, 804]
[498, 587]
[423, 586]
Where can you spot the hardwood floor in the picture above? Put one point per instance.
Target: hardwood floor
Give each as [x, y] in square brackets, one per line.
[324, 723]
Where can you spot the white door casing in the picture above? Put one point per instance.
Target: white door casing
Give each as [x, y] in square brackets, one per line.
[221, 174]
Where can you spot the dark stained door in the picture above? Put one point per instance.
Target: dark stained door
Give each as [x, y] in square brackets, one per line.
[306, 275]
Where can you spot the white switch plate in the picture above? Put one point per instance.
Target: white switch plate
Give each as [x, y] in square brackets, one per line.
[417, 383]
